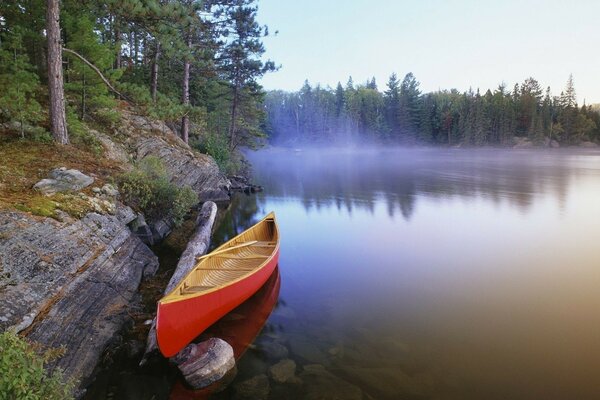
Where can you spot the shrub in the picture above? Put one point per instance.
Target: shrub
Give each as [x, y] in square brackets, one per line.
[22, 373]
[147, 188]
[80, 133]
[216, 146]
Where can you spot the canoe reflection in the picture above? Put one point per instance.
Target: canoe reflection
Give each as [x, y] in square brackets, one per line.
[239, 328]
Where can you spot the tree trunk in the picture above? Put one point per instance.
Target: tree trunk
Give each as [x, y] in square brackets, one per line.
[185, 121]
[154, 84]
[58, 119]
[118, 44]
[232, 127]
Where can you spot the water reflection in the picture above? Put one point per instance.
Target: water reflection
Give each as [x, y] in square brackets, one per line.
[431, 273]
[349, 179]
[239, 328]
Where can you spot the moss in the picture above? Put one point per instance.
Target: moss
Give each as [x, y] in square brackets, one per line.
[39, 205]
[25, 162]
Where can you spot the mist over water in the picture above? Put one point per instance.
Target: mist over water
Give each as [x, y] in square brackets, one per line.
[431, 273]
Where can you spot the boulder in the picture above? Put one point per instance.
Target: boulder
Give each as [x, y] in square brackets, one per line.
[554, 144]
[588, 145]
[63, 180]
[205, 363]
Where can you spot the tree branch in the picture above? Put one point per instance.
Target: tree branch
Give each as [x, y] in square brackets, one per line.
[97, 71]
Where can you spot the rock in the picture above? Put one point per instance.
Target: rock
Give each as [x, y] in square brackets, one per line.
[110, 191]
[554, 144]
[62, 180]
[522, 143]
[588, 145]
[256, 388]
[141, 229]
[307, 350]
[205, 363]
[143, 137]
[388, 382]
[284, 371]
[320, 384]
[72, 282]
[273, 350]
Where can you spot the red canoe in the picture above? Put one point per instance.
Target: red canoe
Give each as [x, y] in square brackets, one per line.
[221, 281]
[244, 325]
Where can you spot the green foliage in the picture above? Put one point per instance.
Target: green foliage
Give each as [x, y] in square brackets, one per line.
[148, 189]
[401, 114]
[216, 146]
[19, 83]
[22, 374]
[80, 133]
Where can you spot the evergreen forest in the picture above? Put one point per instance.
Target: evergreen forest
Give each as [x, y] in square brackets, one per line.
[400, 113]
[69, 65]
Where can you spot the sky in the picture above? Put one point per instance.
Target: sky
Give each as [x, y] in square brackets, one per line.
[444, 43]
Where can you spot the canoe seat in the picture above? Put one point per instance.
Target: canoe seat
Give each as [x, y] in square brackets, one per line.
[264, 244]
[233, 257]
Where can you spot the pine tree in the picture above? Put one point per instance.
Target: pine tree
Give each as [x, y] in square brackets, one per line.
[18, 81]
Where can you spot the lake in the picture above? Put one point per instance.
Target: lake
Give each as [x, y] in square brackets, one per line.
[442, 274]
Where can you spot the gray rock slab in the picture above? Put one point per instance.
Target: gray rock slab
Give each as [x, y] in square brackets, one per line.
[69, 283]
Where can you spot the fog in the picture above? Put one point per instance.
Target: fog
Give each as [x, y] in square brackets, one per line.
[355, 176]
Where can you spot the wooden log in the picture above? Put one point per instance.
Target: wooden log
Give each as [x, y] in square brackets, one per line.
[197, 246]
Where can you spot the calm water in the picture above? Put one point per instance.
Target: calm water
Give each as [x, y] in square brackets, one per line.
[443, 274]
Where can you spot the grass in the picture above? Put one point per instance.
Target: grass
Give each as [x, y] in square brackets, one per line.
[23, 163]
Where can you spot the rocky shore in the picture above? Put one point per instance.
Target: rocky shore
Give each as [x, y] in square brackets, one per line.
[71, 283]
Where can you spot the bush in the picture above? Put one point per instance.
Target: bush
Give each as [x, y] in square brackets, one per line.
[147, 188]
[80, 134]
[22, 373]
[217, 147]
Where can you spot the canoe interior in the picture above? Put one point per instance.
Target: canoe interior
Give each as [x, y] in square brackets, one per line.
[215, 271]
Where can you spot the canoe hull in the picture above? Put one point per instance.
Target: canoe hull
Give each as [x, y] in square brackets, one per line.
[178, 323]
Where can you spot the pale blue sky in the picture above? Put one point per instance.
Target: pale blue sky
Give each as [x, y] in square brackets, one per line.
[445, 43]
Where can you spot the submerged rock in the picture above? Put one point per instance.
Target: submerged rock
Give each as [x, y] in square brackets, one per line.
[387, 382]
[323, 385]
[284, 371]
[255, 388]
[63, 180]
[273, 350]
[205, 363]
[308, 351]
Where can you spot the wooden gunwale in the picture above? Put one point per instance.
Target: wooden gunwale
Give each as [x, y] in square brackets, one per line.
[178, 293]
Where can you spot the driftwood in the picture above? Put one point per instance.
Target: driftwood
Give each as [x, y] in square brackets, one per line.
[197, 246]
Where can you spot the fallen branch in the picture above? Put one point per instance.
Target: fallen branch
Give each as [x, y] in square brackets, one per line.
[197, 246]
[97, 71]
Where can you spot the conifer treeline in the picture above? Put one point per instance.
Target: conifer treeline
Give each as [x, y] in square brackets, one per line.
[402, 114]
[194, 63]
